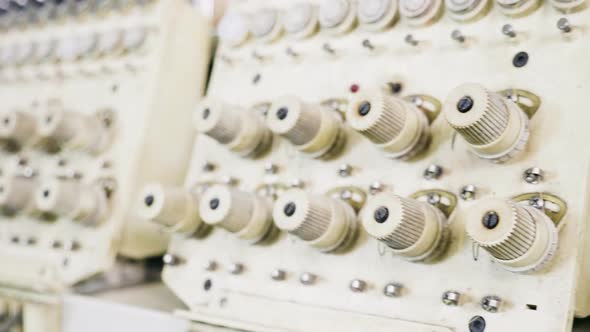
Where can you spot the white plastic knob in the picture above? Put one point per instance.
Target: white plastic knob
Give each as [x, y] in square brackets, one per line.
[234, 28]
[377, 14]
[495, 127]
[172, 207]
[244, 214]
[311, 129]
[394, 125]
[18, 127]
[16, 194]
[241, 130]
[301, 19]
[337, 16]
[325, 223]
[412, 229]
[519, 237]
[467, 10]
[70, 198]
[421, 12]
[518, 8]
[265, 25]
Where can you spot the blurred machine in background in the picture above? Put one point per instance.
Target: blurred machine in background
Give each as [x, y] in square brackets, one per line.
[95, 96]
[383, 165]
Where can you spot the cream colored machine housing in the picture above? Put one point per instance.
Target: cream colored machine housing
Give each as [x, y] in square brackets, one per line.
[368, 288]
[144, 69]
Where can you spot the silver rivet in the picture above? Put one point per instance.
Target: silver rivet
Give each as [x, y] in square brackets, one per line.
[393, 290]
[491, 303]
[456, 35]
[211, 266]
[508, 30]
[307, 278]
[278, 275]
[564, 25]
[296, 183]
[345, 194]
[229, 180]
[451, 298]
[533, 175]
[358, 285]
[328, 48]
[411, 40]
[344, 170]
[271, 168]
[172, 260]
[208, 167]
[433, 172]
[290, 52]
[368, 45]
[537, 202]
[433, 198]
[375, 187]
[468, 192]
[236, 268]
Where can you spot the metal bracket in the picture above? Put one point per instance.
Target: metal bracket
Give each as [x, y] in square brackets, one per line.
[429, 105]
[443, 200]
[553, 206]
[354, 196]
[526, 100]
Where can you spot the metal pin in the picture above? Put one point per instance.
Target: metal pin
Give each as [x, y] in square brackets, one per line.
[508, 30]
[375, 187]
[411, 40]
[345, 195]
[328, 48]
[367, 44]
[433, 198]
[564, 25]
[468, 192]
[345, 170]
[236, 268]
[358, 285]
[491, 303]
[211, 266]
[533, 175]
[451, 298]
[307, 278]
[393, 290]
[457, 36]
[270, 168]
[172, 260]
[433, 172]
[278, 275]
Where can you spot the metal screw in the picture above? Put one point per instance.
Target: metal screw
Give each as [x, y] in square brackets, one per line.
[367, 44]
[477, 324]
[451, 298]
[433, 172]
[458, 36]
[375, 187]
[236, 268]
[307, 278]
[271, 168]
[564, 25]
[358, 285]
[533, 175]
[278, 275]
[328, 48]
[345, 195]
[537, 202]
[211, 266]
[393, 290]
[208, 167]
[344, 170]
[508, 30]
[491, 303]
[296, 183]
[411, 40]
[172, 260]
[433, 198]
[468, 192]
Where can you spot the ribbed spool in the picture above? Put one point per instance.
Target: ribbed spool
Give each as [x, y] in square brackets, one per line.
[316, 221]
[240, 211]
[519, 240]
[306, 127]
[227, 127]
[491, 124]
[390, 122]
[410, 226]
